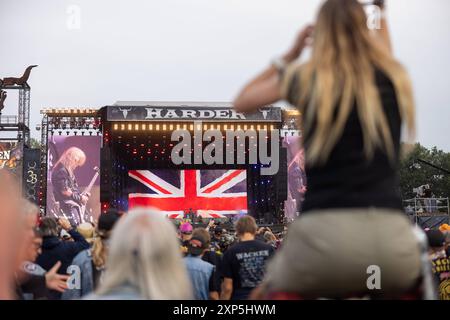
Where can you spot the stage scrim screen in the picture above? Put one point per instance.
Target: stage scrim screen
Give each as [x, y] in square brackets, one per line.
[296, 176]
[11, 157]
[73, 183]
[207, 193]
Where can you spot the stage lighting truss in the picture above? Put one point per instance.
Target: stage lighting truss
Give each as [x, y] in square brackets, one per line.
[167, 127]
[73, 125]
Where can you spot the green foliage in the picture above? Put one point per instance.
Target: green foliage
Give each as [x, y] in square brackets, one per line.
[35, 143]
[414, 174]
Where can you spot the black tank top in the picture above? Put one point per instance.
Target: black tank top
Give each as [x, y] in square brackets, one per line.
[348, 179]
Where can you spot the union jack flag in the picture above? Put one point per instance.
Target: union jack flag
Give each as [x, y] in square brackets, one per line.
[208, 193]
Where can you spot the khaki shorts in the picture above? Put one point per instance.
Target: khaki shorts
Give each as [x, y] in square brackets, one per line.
[327, 253]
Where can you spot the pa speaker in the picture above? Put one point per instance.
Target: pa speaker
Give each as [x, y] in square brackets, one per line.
[105, 174]
[281, 178]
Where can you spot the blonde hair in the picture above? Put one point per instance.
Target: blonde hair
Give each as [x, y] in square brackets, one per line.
[99, 248]
[144, 253]
[72, 158]
[341, 72]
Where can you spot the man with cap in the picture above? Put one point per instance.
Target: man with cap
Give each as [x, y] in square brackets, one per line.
[440, 262]
[201, 273]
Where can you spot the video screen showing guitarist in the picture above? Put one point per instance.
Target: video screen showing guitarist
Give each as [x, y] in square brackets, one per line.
[65, 187]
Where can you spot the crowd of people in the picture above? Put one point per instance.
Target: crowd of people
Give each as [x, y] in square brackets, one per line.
[144, 255]
[355, 98]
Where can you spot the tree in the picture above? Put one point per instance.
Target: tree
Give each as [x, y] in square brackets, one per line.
[414, 173]
[35, 143]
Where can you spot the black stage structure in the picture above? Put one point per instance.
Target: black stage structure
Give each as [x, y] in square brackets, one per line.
[137, 136]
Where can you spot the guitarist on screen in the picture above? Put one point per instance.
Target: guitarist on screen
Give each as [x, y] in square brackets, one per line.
[65, 186]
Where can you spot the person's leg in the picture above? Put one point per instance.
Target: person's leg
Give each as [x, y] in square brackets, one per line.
[329, 253]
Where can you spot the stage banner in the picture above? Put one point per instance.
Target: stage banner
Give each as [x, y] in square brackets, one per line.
[73, 184]
[182, 113]
[206, 193]
[296, 176]
[31, 174]
[11, 157]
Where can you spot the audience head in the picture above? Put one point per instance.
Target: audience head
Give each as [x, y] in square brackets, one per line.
[246, 226]
[436, 240]
[199, 242]
[11, 232]
[144, 254]
[106, 223]
[186, 231]
[50, 227]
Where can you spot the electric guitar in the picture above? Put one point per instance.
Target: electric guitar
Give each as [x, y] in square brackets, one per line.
[86, 191]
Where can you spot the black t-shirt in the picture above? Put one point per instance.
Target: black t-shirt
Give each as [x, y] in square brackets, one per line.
[245, 263]
[441, 272]
[348, 178]
[213, 258]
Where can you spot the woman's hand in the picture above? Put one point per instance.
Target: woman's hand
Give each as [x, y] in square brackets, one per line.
[303, 39]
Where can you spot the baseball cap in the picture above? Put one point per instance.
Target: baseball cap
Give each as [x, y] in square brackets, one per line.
[86, 230]
[197, 245]
[218, 230]
[107, 220]
[186, 227]
[435, 238]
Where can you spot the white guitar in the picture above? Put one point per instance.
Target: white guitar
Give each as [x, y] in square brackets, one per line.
[86, 191]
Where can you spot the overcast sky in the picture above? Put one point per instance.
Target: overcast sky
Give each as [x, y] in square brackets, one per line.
[196, 50]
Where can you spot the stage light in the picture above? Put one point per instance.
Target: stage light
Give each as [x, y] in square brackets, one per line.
[239, 127]
[272, 127]
[199, 127]
[178, 127]
[232, 127]
[164, 127]
[150, 127]
[258, 127]
[252, 127]
[157, 127]
[205, 127]
[245, 127]
[225, 127]
[185, 126]
[191, 127]
[144, 126]
[171, 127]
[136, 127]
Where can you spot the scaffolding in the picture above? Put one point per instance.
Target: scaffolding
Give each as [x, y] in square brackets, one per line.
[19, 123]
[63, 121]
[420, 208]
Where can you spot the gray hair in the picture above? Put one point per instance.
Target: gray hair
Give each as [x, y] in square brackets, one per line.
[49, 227]
[144, 253]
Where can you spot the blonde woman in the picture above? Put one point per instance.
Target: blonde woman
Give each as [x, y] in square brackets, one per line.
[144, 260]
[65, 186]
[92, 261]
[354, 97]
